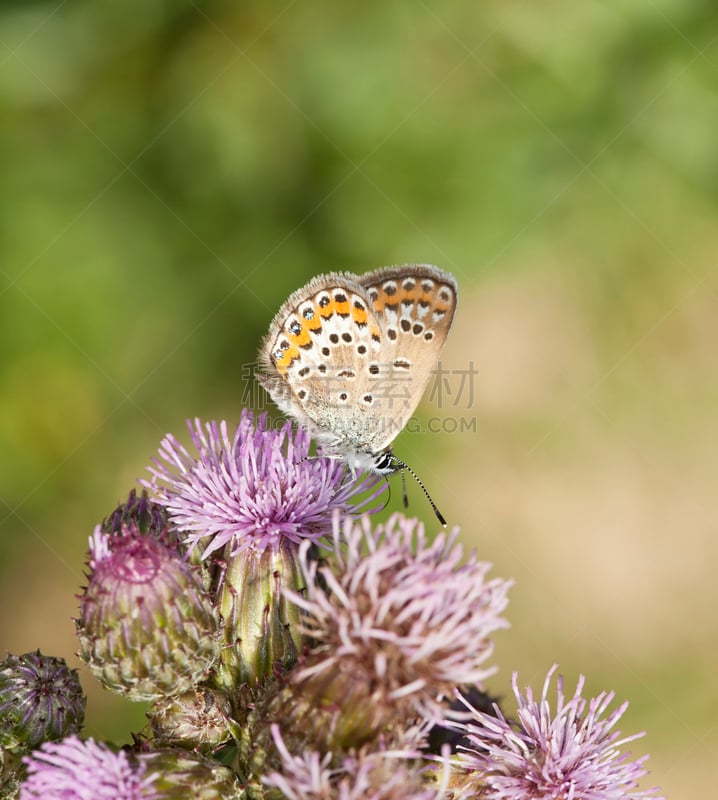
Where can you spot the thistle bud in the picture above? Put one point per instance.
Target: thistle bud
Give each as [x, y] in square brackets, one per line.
[260, 626]
[149, 518]
[40, 700]
[178, 774]
[147, 627]
[200, 720]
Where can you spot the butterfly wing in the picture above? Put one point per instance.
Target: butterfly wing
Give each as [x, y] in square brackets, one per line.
[319, 361]
[350, 356]
[415, 305]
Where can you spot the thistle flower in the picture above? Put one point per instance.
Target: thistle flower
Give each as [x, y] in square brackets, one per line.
[146, 626]
[441, 736]
[252, 498]
[573, 753]
[396, 630]
[253, 491]
[382, 775]
[77, 770]
[40, 700]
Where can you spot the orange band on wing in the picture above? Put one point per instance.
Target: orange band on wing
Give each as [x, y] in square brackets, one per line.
[315, 322]
[284, 361]
[359, 315]
[300, 339]
[385, 301]
[342, 308]
[327, 310]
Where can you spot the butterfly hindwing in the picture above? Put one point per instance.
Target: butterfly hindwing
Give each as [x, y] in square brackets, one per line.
[415, 306]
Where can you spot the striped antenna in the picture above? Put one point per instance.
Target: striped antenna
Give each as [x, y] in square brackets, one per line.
[403, 466]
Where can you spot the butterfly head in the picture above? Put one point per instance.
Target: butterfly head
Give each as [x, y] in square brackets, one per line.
[386, 463]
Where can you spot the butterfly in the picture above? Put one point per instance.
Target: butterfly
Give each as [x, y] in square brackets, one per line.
[349, 357]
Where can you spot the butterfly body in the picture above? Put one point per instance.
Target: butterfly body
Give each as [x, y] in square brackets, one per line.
[349, 357]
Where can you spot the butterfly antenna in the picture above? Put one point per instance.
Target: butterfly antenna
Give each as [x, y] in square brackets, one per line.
[404, 495]
[399, 463]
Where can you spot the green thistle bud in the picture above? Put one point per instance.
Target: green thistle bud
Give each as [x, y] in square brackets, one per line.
[147, 627]
[178, 773]
[40, 700]
[260, 627]
[199, 720]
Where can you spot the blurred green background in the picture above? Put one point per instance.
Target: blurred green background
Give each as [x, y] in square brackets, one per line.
[172, 171]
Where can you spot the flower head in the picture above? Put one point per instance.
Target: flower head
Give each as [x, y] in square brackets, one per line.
[40, 700]
[572, 754]
[77, 770]
[381, 775]
[146, 626]
[397, 628]
[252, 490]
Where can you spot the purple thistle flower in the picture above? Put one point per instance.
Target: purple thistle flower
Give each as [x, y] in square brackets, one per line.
[77, 770]
[255, 490]
[397, 626]
[381, 775]
[573, 754]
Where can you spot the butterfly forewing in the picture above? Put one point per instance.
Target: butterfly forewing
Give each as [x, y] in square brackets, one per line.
[319, 359]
